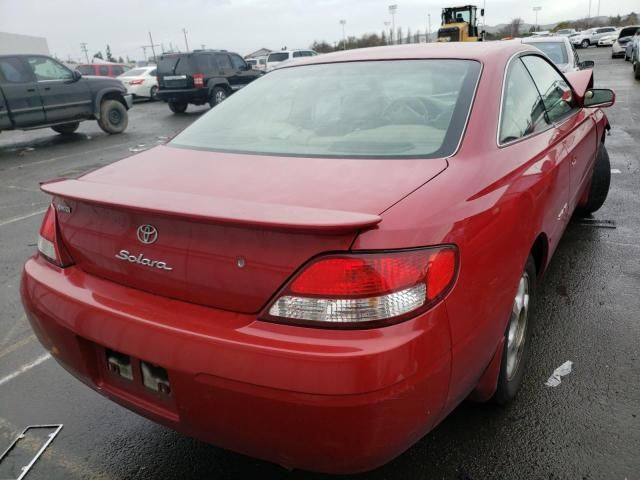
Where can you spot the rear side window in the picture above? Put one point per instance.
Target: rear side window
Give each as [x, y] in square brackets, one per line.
[223, 61]
[103, 71]
[556, 94]
[12, 70]
[523, 112]
[304, 53]
[278, 57]
[554, 50]
[86, 69]
[117, 70]
[206, 63]
[152, 73]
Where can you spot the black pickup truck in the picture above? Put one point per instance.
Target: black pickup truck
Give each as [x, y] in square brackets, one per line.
[37, 91]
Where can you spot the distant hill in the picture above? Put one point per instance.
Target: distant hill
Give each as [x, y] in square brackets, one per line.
[525, 27]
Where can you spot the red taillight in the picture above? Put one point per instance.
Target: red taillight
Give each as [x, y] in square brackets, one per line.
[356, 289]
[136, 82]
[48, 242]
[198, 80]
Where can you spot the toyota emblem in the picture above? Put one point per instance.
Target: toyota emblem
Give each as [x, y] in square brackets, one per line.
[147, 234]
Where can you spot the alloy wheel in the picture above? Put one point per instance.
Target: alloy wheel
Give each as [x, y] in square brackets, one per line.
[518, 326]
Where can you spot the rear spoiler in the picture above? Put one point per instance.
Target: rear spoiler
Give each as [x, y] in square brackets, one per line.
[581, 81]
[212, 209]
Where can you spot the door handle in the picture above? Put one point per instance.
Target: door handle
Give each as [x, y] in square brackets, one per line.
[574, 160]
[47, 88]
[31, 89]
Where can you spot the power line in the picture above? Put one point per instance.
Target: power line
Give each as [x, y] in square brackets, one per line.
[83, 47]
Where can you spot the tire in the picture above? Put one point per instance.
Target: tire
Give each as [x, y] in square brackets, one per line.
[600, 182]
[113, 117]
[516, 351]
[636, 70]
[584, 43]
[178, 107]
[153, 93]
[218, 95]
[66, 128]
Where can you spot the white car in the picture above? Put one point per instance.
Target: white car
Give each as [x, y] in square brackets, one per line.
[258, 63]
[141, 81]
[274, 58]
[565, 32]
[619, 47]
[608, 40]
[590, 37]
[560, 52]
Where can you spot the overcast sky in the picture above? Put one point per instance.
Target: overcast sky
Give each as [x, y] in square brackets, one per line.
[246, 25]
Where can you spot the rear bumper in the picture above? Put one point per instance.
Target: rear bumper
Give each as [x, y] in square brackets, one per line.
[322, 400]
[189, 95]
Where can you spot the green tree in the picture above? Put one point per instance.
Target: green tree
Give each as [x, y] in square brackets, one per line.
[98, 55]
[120, 60]
[399, 37]
[561, 26]
[109, 56]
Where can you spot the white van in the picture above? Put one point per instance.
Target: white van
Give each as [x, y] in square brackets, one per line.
[274, 58]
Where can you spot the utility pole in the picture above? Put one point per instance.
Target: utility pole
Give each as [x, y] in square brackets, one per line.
[83, 47]
[589, 15]
[537, 9]
[184, 30]
[144, 52]
[393, 10]
[344, 37]
[153, 50]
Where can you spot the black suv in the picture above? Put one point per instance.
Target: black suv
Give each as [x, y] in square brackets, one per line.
[201, 76]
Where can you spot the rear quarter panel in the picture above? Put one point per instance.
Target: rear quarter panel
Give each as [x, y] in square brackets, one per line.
[493, 203]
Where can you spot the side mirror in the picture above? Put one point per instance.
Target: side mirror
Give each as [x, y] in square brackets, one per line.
[583, 65]
[76, 75]
[482, 12]
[599, 97]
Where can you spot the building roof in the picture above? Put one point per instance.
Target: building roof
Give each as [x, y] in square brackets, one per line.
[259, 53]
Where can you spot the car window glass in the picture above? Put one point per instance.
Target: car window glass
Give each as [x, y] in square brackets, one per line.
[86, 69]
[117, 70]
[368, 109]
[223, 61]
[238, 63]
[522, 108]
[556, 93]
[152, 73]
[554, 50]
[103, 71]
[205, 63]
[12, 70]
[278, 57]
[47, 69]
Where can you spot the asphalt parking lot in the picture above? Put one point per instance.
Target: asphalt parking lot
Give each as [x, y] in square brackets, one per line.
[588, 312]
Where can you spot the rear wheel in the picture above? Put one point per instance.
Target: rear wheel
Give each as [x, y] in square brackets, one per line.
[153, 93]
[113, 116]
[218, 95]
[66, 128]
[178, 107]
[636, 70]
[600, 182]
[516, 337]
[584, 43]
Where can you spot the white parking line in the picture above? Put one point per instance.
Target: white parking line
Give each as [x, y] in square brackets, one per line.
[23, 217]
[25, 368]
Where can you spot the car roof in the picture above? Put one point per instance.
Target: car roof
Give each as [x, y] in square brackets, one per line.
[480, 51]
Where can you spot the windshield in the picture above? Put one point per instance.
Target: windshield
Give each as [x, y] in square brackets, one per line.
[554, 50]
[278, 57]
[389, 109]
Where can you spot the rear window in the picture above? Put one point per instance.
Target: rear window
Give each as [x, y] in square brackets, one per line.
[167, 64]
[628, 32]
[381, 109]
[556, 51]
[278, 57]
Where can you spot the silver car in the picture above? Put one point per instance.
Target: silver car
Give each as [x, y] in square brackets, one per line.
[560, 51]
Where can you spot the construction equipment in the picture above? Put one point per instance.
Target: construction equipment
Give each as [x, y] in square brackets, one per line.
[460, 24]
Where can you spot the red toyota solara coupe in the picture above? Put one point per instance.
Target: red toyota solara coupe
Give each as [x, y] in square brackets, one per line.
[318, 270]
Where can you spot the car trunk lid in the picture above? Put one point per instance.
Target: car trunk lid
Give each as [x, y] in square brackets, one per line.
[229, 229]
